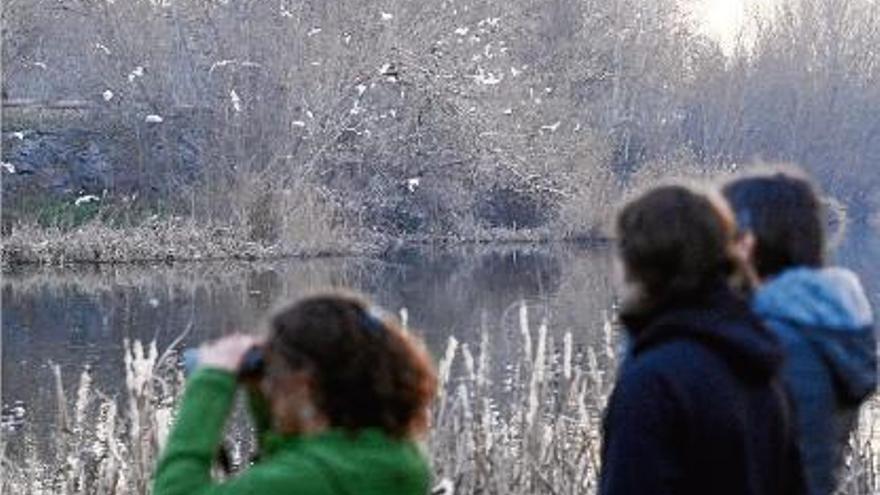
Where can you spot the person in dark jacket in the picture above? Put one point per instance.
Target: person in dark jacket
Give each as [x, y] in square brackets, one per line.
[698, 406]
[821, 315]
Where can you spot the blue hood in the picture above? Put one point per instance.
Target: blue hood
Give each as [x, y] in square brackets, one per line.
[828, 308]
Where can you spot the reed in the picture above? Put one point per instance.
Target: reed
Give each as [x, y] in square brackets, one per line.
[537, 431]
[103, 445]
[524, 422]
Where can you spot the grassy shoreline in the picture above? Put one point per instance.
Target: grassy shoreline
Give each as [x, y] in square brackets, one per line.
[166, 241]
[185, 241]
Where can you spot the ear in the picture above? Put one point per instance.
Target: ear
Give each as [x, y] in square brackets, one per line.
[285, 391]
[294, 382]
[744, 247]
[743, 250]
[291, 394]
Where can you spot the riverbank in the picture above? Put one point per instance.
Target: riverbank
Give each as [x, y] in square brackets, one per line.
[172, 240]
[184, 240]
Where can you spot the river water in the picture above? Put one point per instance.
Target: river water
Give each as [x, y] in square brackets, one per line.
[80, 316]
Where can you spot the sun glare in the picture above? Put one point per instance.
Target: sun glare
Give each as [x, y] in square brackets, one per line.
[728, 21]
[721, 19]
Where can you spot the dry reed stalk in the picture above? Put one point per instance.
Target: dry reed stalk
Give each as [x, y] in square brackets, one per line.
[566, 358]
[537, 378]
[524, 330]
[481, 440]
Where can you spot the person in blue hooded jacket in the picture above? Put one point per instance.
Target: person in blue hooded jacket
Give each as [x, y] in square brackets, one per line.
[820, 314]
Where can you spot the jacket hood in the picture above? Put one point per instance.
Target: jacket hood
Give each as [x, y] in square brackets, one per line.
[722, 321]
[828, 308]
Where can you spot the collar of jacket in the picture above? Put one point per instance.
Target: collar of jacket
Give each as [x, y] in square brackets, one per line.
[721, 320]
[274, 442]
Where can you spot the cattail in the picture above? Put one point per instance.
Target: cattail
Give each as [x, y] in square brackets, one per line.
[63, 421]
[102, 430]
[524, 330]
[83, 396]
[487, 425]
[537, 376]
[127, 363]
[132, 351]
[483, 363]
[448, 357]
[593, 369]
[539, 437]
[566, 356]
[163, 419]
[608, 334]
[112, 440]
[153, 355]
[445, 366]
[464, 402]
[541, 353]
[581, 401]
[546, 439]
[469, 366]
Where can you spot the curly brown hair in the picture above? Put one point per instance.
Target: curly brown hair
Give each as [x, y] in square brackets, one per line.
[369, 371]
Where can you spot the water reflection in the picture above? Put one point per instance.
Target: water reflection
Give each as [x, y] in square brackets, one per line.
[81, 317]
[860, 252]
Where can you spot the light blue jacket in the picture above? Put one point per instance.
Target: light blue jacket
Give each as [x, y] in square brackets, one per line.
[825, 323]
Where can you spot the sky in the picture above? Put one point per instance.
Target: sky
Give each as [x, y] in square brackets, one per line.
[722, 18]
[725, 19]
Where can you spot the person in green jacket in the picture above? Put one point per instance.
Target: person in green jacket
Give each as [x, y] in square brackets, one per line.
[339, 396]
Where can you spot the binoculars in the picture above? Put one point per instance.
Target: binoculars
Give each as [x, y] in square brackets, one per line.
[253, 363]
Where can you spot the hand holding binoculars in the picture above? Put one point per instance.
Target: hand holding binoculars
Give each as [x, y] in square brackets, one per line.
[241, 354]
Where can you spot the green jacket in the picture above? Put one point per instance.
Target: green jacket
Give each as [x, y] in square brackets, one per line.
[329, 463]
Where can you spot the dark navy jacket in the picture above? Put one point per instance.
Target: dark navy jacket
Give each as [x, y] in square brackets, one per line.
[699, 407]
[824, 321]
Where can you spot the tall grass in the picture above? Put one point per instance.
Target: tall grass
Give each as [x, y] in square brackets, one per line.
[100, 445]
[537, 431]
[527, 422]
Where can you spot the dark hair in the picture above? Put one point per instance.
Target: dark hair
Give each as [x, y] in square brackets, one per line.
[784, 213]
[675, 245]
[369, 371]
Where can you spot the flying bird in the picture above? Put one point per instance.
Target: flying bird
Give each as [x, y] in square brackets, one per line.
[88, 198]
[135, 73]
[551, 127]
[413, 183]
[236, 101]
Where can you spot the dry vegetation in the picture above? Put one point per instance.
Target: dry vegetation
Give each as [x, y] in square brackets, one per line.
[176, 239]
[293, 224]
[100, 444]
[526, 424]
[467, 120]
